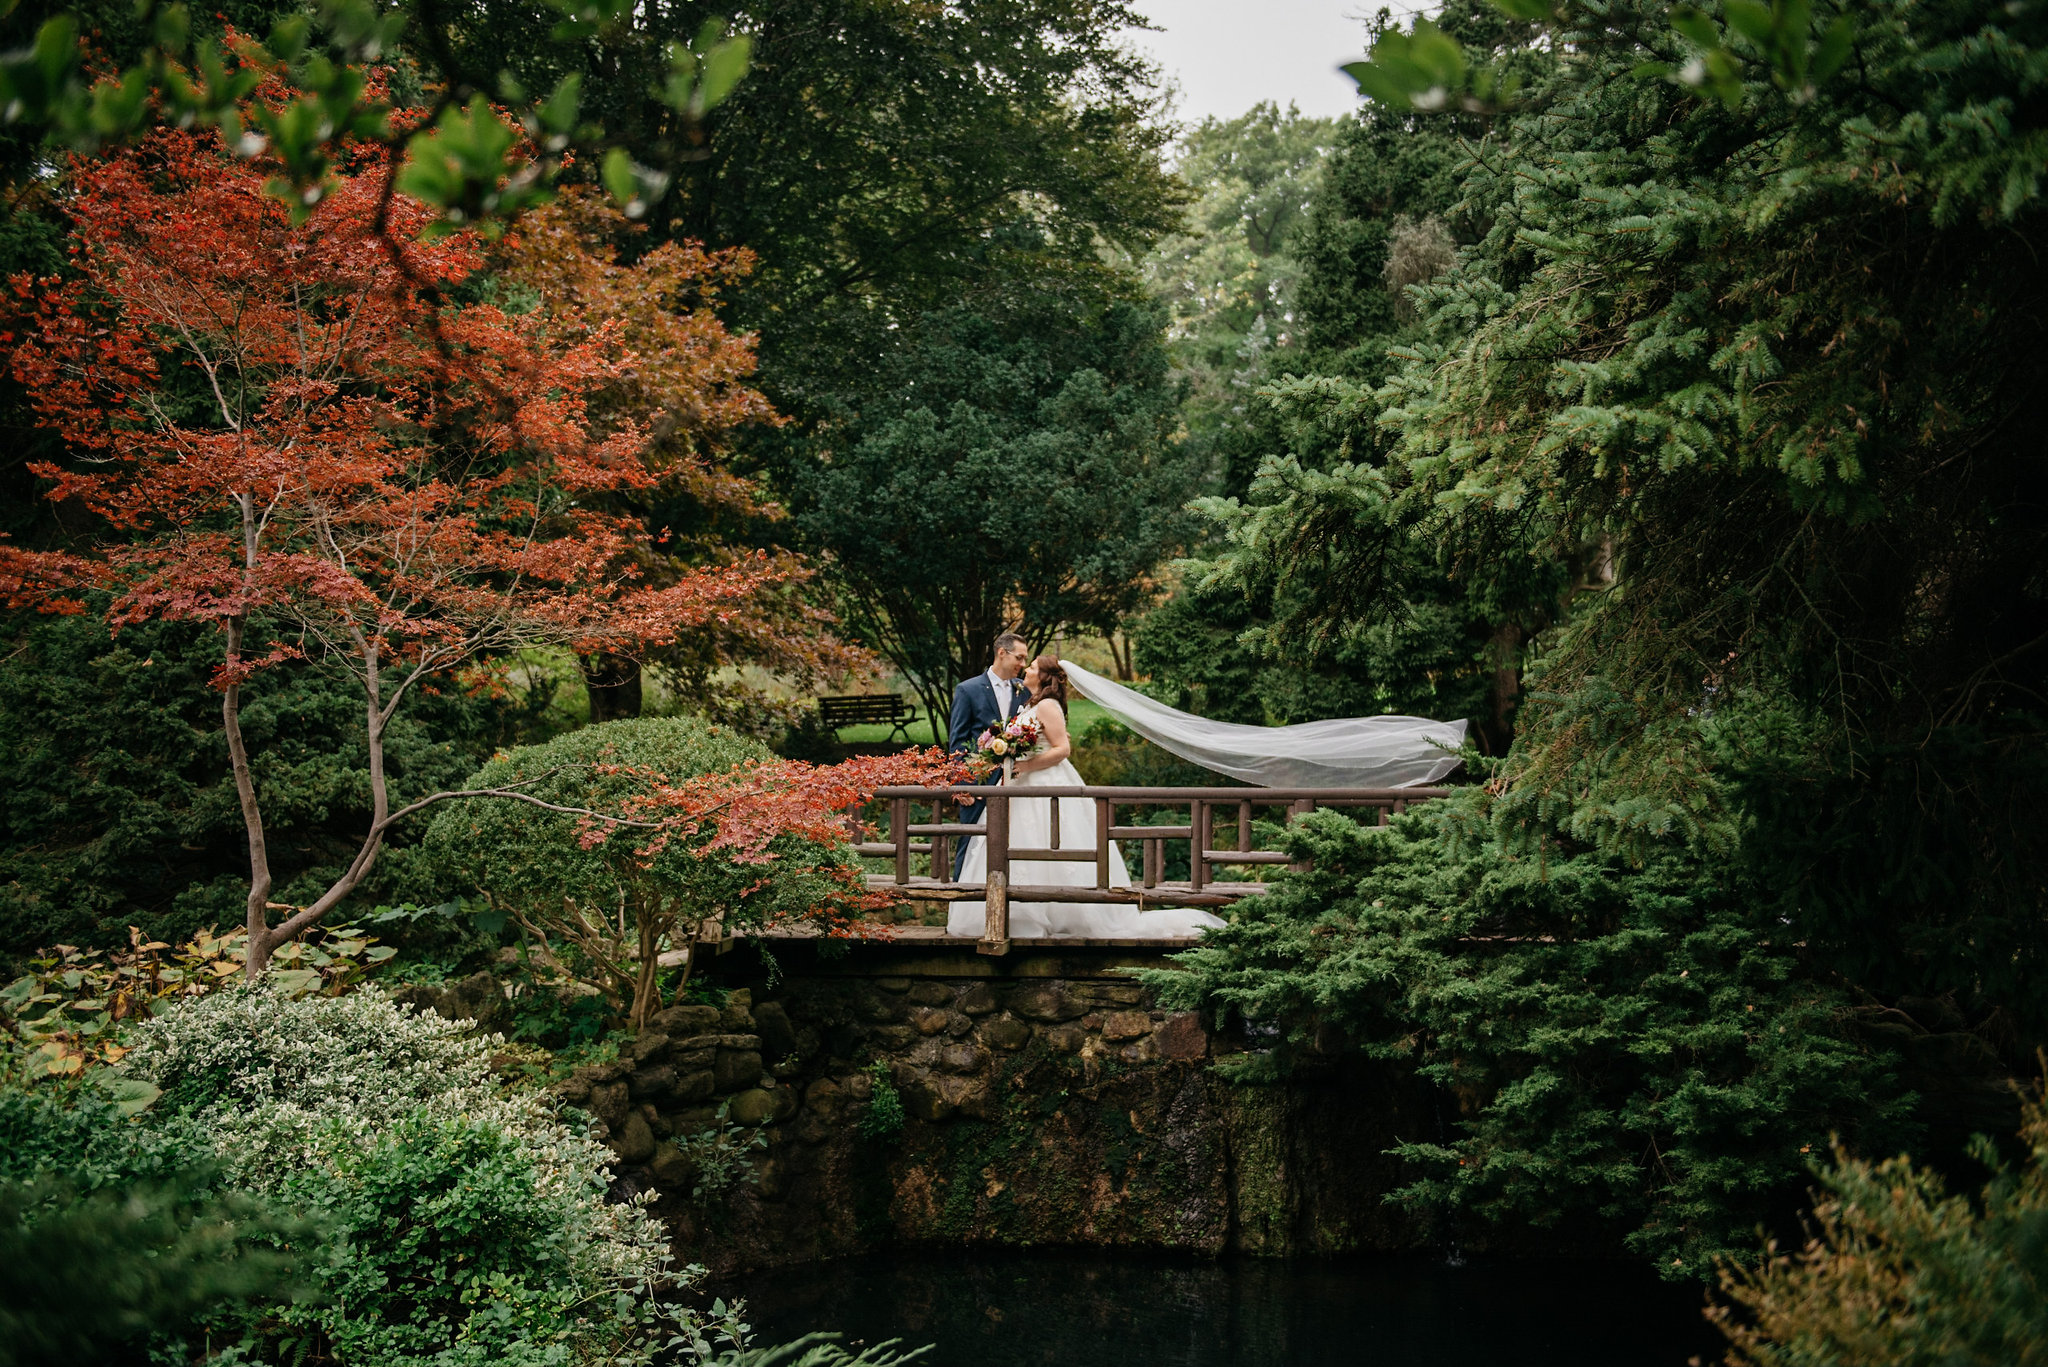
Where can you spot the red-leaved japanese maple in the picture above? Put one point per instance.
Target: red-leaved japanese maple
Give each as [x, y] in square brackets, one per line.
[297, 435]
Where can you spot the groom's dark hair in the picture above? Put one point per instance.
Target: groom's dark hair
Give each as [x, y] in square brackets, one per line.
[1005, 641]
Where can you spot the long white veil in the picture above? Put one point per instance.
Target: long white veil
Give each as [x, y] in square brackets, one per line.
[1349, 752]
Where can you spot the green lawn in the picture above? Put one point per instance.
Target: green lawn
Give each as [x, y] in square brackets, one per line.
[1084, 714]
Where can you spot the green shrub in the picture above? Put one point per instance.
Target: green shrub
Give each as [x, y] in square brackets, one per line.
[1636, 1046]
[141, 1234]
[602, 912]
[1900, 1272]
[721, 1157]
[463, 1223]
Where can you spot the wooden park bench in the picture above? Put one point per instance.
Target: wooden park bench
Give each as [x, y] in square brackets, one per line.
[862, 709]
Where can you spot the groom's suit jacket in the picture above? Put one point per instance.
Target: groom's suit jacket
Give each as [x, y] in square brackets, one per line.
[974, 711]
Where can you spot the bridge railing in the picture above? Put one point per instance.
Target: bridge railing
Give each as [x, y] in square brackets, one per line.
[932, 843]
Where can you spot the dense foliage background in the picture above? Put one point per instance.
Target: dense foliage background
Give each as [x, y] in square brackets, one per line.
[1656, 389]
[1718, 427]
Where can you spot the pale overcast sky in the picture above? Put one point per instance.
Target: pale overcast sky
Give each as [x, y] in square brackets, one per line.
[1227, 55]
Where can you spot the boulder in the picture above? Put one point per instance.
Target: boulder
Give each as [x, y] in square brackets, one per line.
[778, 1036]
[752, 1107]
[961, 1058]
[680, 1022]
[736, 1068]
[701, 1085]
[1181, 1036]
[894, 1036]
[725, 1041]
[932, 994]
[694, 1059]
[1065, 1039]
[1006, 1033]
[672, 1167]
[480, 997]
[1044, 1002]
[738, 1015]
[1108, 994]
[978, 1000]
[881, 1010]
[633, 1141]
[957, 1024]
[653, 1084]
[694, 1120]
[927, 1020]
[1126, 1024]
[646, 1046]
[825, 1097]
[609, 1102]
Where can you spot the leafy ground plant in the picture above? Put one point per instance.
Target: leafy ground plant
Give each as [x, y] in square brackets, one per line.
[62, 1015]
[883, 1118]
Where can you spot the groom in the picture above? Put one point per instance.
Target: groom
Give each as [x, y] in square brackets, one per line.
[981, 702]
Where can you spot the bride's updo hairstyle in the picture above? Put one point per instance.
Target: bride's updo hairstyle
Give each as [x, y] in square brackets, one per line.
[1052, 681]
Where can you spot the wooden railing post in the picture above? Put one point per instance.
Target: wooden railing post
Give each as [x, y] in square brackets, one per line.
[995, 925]
[899, 851]
[899, 828]
[1105, 817]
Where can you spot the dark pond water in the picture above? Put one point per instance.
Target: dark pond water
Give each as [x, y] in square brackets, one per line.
[1068, 1310]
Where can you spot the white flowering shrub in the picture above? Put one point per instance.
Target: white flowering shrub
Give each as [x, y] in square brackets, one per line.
[466, 1223]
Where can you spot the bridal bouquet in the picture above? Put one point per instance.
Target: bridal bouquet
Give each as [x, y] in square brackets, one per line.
[1014, 739]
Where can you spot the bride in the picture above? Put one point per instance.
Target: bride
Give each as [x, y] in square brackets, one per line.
[1031, 828]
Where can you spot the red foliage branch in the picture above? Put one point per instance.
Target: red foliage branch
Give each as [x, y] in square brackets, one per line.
[291, 434]
[742, 814]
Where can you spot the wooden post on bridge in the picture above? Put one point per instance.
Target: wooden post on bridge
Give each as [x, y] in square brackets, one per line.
[1105, 817]
[899, 832]
[1300, 807]
[995, 925]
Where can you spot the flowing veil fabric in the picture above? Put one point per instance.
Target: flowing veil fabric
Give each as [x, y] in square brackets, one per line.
[1349, 752]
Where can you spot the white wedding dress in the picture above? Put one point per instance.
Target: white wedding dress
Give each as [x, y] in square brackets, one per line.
[1031, 829]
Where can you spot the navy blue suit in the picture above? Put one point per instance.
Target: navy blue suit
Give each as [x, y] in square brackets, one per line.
[974, 711]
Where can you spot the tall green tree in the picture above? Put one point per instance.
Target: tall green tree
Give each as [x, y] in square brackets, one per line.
[883, 164]
[1747, 344]
[877, 159]
[1772, 354]
[1023, 476]
[1383, 211]
[1228, 277]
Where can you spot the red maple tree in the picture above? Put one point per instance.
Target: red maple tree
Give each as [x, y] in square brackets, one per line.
[297, 435]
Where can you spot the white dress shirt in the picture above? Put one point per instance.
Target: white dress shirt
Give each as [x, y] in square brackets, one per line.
[1002, 688]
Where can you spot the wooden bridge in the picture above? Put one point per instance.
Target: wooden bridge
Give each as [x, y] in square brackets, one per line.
[1215, 864]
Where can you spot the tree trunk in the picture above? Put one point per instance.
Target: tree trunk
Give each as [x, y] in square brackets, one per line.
[1121, 654]
[1506, 649]
[613, 682]
[258, 925]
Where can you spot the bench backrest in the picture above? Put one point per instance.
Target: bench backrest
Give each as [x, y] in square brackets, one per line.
[863, 707]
